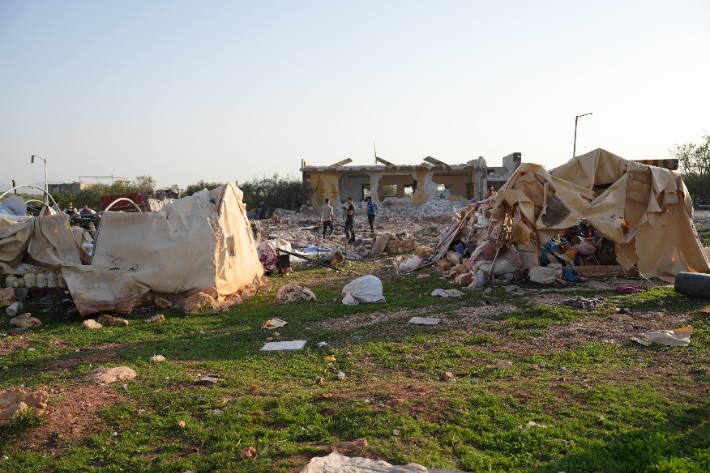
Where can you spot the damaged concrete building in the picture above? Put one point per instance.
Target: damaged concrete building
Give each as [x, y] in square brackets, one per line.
[416, 184]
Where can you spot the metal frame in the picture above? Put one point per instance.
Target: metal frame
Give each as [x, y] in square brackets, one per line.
[34, 187]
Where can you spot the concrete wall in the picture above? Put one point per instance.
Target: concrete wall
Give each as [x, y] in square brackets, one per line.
[326, 183]
[71, 187]
[458, 183]
[350, 185]
[400, 181]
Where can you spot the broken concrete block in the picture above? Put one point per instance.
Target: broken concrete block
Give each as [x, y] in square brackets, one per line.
[7, 296]
[91, 324]
[542, 275]
[201, 303]
[112, 321]
[423, 253]
[464, 279]
[162, 303]
[112, 375]
[26, 321]
[443, 265]
[284, 346]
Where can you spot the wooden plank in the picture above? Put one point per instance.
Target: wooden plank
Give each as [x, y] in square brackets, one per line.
[606, 271]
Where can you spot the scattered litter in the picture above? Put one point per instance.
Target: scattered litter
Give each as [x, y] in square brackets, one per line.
[422, 276]
[363, 289]
[423, 321]
[294, 293]
[14, 308]
[273, 323]
[341, 376]
[447, 293]
[679, 337]
[284, 346]
[629, 289]
[583, 303]
[322, 344]
[330, 358]
[413, 262]
[208, 380]
[320, 381]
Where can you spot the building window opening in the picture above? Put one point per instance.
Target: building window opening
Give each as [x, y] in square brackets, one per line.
[443, 190]
[366, 191]
[408, 191]
[390, 190]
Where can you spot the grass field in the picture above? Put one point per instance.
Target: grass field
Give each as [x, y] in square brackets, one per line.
[579, 396]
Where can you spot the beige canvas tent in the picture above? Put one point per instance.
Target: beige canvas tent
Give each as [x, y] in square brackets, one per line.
[644, 209]
[201, 243]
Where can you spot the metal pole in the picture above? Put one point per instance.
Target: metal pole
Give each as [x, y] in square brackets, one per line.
[574, 152]
[46, 187]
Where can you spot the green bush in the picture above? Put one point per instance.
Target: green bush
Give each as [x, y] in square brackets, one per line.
[92, 194]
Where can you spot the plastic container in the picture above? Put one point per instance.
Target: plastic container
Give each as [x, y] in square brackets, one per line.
[61, 282]
[18, 282]
[14, 308]
[9, 280]
[41, 278]
[52, 278]
[693, 284]
[30, 279]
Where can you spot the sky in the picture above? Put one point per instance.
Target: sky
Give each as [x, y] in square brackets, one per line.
[228, 91]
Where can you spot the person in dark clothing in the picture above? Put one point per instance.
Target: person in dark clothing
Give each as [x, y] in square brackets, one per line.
[70, 210]
[262, 211]
[349, 221]
[371, 212]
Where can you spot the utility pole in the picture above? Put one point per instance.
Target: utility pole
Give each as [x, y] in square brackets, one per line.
[46, 188]
[574, 153]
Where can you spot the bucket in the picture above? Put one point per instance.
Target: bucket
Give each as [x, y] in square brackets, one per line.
[693, 284]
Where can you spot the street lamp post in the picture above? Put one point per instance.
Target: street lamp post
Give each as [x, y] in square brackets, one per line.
[46, 188]
[574, 153]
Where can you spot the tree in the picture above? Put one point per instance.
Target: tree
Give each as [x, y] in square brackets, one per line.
[694, 166]
[192, 188]
[91, 195]
[277, 192]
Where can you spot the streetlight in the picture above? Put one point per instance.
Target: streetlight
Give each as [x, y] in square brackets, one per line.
[574, 153]
[46, 188]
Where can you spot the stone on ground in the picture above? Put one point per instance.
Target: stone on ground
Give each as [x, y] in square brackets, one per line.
[112, 321]
[202, 303]
[16, 401]
[91, 324]
[112, 375]
[26, 321]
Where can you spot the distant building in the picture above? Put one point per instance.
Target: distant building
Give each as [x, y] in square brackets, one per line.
[497, 176]
[416, 184]
[72, 188]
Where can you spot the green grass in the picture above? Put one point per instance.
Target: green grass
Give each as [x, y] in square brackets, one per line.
[597, 408]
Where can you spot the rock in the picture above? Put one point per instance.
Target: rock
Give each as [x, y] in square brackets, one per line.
[208, 381]
[341, 376]
[217, 412]
[162, 303]
[181, 424]
[15, 401]
[202, 303]
[7, 296]
[458, 355]
[353, 444]
[112, 375]
[157, 318]
[91, 324]
[542, 275]
[247, 452]
[112, 321]
[4, 458]
[396, 432]
[423, 254]
[124, 387]
[293, 293]
[320, 381]
[535, 367]
[504, 364]
[447, 376]
[26, 321]
[157, 358]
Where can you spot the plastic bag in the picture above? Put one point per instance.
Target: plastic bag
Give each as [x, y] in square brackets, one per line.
[364, 289]
[410, 264]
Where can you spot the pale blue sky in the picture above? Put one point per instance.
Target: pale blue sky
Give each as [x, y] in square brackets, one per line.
[227, 90]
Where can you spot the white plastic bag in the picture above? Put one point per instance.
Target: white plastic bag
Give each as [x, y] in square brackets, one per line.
[364, 289]
[411, 263]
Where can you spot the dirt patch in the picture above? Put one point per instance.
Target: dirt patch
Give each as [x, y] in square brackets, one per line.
[351, 322]
[71, 418]
[12, 344]
[536, 300]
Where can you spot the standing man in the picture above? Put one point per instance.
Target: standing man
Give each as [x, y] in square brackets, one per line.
[326, 217]
[349, 221]
[70, 210]
[490, 193]
[263, 211]
[372, 209]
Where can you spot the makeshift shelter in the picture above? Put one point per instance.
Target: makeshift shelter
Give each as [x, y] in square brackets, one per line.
[645, 210]
[201, 243]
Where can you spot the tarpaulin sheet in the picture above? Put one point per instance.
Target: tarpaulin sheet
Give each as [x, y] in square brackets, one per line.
[644, 209]
[199, 243]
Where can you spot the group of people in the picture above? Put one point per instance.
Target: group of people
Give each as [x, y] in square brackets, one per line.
[326, 218]
[70, 210]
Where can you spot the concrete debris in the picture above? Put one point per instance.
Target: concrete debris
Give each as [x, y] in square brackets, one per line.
[112, 321]
[294, 293]
[542, 275]
[7, 296]
[284, 346]
[201, 303]
[16, 401]
[157, 318]
[91, 324]
[112, 375]
[584, 303]
[162, 303]
[26, 321]
[208, 380]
